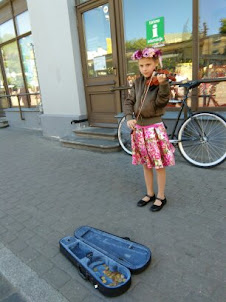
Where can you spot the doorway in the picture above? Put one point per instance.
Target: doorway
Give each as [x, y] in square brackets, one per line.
[101, 44]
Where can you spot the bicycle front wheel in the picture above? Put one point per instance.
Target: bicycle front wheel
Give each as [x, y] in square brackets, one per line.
[202, 139]
[124, 136]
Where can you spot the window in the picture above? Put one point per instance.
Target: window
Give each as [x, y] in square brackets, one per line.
[81, 1]
[177, 47]
[28, 59]
[98, 41]
[13, 71]
[23, 23]
[18, 60]
[212, 45]
[7, 31]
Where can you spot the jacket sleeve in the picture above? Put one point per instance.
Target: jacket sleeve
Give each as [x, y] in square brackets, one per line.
[163, 95]
[129, 102]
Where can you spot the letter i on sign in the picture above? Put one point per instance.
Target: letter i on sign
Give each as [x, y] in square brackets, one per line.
[155, 30]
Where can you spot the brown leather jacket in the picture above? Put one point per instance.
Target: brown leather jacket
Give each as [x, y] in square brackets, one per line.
[154, 104]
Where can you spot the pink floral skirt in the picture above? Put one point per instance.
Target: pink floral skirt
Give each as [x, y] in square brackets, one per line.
[151, 147]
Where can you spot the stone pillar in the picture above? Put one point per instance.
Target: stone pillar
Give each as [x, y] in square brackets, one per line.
[56, 44]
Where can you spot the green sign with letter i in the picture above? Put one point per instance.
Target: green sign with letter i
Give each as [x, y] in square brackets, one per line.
[155, 30]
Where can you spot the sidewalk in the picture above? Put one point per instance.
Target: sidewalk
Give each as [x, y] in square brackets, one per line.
[48, 191]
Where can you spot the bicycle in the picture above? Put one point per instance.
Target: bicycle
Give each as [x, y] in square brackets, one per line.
[201, 138]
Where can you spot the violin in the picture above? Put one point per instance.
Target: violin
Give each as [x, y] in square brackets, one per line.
[154, 80]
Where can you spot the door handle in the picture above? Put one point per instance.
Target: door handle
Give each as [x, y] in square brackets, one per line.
[115, 71]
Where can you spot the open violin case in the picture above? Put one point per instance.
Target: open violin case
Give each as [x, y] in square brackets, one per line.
[104, 259]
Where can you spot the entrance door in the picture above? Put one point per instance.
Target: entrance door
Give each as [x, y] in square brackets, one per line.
[98, 42]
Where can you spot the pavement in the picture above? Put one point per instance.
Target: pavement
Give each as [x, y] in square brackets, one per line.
[48, 191]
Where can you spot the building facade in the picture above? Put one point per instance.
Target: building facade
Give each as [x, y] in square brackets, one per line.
[71, 60]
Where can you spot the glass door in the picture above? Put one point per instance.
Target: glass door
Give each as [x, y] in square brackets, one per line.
[97, 31]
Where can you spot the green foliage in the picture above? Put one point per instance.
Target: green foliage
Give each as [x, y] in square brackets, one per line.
[134, 44]
[222, 29]
[12, 64]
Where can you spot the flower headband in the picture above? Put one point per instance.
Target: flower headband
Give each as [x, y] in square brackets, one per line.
[148, 53]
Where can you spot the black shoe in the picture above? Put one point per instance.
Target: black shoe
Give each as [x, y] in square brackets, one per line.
[155, 208]
[142, 203]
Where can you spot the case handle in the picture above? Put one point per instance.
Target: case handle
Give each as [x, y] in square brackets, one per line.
[126, 238]
[82, 274]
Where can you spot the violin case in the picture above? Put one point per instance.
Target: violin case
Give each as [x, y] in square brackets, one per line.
[104, 259]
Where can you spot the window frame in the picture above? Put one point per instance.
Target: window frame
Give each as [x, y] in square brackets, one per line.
[16, 39]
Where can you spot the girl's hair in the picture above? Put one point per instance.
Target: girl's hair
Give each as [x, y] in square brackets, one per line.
[148, 52]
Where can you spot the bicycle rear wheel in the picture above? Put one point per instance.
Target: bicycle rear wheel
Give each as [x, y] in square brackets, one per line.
[124, 136]
[202, 139]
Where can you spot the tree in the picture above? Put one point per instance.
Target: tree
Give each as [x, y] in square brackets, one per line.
[136, 44]
[205, 29]
[222, 29]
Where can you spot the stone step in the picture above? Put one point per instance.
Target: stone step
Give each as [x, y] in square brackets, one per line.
[89, 143]
[97, 132]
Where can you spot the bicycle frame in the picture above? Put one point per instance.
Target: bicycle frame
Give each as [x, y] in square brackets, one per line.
[184, 105]
[173, 137]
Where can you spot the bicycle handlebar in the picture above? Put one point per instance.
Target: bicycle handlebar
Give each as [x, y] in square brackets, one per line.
[192, 84]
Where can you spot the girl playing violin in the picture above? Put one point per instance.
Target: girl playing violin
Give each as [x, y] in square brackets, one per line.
[150, 143]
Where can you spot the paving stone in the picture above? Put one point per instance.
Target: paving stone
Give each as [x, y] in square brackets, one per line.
[22, 216]
[32, 223]
[25, 234]
[203, 285]
[42, 231]
[7, 220]
[28, 254]
[49, 250]
[40, 264]
[197, 297]
[17, 245]
[15, 226]
[13, 211]
[54, 237]
[145, 293]
[60, 225]
[2, 214]
[220, 293]
[56, 277]
[74, 291]
[92, 298]
[8, 236]
[36, 241]
[2, 229]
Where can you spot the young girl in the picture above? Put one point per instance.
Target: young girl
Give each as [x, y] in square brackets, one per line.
[150, 144]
